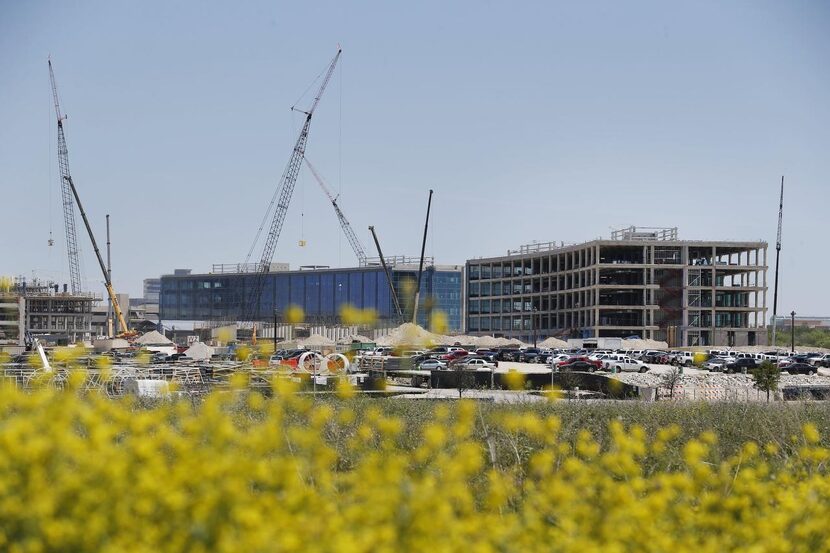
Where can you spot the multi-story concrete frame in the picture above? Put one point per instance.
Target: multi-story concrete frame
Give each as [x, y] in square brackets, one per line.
[43, 311]
[642, 282]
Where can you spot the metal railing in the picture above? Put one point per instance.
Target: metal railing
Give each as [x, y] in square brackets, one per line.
[645, 233]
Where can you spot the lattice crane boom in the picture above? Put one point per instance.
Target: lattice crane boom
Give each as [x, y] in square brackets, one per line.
[777, 260]
[780, 216]
[287, 182]
[72, 250]
[354, 242]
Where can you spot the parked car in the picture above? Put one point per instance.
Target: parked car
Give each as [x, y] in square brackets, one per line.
[455, 354]
[823, 361]
[432, 365]
[654, 356]
[578, 364]
[529, 355]
[596, 365]
[611, 359]
[557, 358]
[462, 359]
[800, 368]
[627, 364]
[477, 363]
[487, 354]
[738, 365]
[716, 364]
[506, 354]
[685, 358]
[813, 358]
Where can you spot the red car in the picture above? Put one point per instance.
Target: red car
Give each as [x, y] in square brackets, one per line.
[453, 355]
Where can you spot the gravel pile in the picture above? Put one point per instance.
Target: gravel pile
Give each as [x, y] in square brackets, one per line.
[718, 380]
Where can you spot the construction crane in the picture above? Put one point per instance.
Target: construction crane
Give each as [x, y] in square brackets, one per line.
[287, 182]
[388, 275]
[777, 256]
[421, 265]
[69, 191]
[344, 223]
[72, 251]
[116, 307]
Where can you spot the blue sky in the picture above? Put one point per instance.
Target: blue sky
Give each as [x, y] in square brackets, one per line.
[531, 121]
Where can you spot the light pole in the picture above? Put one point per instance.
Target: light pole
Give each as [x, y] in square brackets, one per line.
[533, 323]
[792, 332]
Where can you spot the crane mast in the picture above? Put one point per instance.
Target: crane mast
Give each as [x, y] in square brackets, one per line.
[72, 251]
[388, 275]
[287, 182]
[777, 257]
[357, 247]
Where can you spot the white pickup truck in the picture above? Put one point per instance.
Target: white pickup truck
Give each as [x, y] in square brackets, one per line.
[627, 364]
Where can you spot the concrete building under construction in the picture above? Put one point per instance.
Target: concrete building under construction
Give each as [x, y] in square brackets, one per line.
[46, 310]
[642, 281]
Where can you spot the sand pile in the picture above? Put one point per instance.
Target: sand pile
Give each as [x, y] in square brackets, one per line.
[553, 343]
[354, 338]
[637, 343]
[409, 334]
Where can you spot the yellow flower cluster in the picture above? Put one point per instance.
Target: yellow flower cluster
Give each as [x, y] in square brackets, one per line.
[242, 472]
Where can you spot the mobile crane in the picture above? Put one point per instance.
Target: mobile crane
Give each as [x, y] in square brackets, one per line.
[68, 185]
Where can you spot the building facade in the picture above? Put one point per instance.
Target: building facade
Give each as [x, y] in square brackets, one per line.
[642, 282]
[320, 292]
[12, 321]
[44, 311]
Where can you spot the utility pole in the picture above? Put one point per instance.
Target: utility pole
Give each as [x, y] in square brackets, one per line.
[777, 257]
[421, 265]
[792, 332]
[533, 324]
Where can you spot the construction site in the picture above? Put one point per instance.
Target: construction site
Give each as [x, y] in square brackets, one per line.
[640, 291]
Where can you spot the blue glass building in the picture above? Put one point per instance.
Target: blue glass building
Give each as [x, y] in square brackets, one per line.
[320, 292]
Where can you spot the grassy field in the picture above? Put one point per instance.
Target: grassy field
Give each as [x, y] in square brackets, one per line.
[734, 424]
[237, 471]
